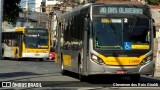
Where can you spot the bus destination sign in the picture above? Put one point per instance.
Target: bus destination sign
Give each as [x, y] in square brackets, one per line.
[120, 10]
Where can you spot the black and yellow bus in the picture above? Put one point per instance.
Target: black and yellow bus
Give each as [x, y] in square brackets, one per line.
[24, 42]
[106, 38]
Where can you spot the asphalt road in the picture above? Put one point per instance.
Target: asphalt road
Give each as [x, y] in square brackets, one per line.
[47, 74]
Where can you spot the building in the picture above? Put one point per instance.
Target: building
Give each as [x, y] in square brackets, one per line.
[156, 16]
[30, 5]
[32, 19]
[35, 5]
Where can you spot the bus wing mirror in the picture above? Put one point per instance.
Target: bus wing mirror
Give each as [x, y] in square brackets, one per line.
[154, 31]
[86, 24]
[86, 21]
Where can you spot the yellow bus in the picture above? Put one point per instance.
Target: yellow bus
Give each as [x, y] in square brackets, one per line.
[106, 38]
[23, 42]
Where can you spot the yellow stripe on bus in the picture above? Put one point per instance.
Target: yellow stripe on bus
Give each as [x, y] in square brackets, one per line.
[20, 30]
[122, 60]
[140, 46]
[56, 58]
[44, 46]
[15, 49]
[36, 50]
[67, 60]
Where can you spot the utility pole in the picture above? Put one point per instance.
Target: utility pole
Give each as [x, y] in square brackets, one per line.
[1, 19]
[39, 21]
[27, 11]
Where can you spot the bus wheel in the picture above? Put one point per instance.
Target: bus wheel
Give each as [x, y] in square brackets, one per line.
[16, 56]
[135, 77]
[81, 77]
[40, 59]
[62, 68]
[3, 58]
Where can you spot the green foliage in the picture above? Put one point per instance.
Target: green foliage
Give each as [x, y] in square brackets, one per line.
[153, 2]
[11, 10]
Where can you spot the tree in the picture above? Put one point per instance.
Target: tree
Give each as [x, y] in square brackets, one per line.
[11, 10]
[153, 2]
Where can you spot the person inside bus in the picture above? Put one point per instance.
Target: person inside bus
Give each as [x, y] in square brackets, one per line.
[139, 37]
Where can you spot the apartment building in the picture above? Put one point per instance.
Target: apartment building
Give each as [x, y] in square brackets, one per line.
[35, 5]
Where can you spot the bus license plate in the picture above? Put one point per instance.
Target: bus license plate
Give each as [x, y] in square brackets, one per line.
[36, 54]
[121, 71]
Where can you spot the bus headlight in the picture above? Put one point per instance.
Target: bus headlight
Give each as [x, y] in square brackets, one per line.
[97, 59]
[26, 51]
[147, 60]
[46, 51]
[94, 57]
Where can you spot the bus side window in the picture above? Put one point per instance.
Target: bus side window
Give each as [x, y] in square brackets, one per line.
[154, 29]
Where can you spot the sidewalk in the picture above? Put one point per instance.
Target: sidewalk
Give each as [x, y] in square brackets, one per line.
[157, 65]
[157, 57]
[157, 71]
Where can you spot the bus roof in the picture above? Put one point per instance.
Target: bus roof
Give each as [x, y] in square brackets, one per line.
[20, 29]
[74, 10]
[120, 1]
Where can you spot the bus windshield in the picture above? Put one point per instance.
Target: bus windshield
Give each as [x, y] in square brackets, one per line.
[36, 40]
[114, 33]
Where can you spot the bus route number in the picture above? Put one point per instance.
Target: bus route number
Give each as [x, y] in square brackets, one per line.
[133, 61]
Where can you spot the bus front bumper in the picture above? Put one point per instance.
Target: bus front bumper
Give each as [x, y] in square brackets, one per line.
[145, 69]
[35, 55]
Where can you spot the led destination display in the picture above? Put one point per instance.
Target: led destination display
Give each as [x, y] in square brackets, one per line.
[103, 10]
[100, 10]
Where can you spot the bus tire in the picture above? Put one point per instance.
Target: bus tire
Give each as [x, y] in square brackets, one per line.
[16, 56]
[3, 58]
[135, 78]
[63, 72]
[41, 59]
[81, 77]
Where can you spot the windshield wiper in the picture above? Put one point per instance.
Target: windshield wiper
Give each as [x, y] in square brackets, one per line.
[112, 26]
[131, 26]
[32, 39]
[134, 23]
[97, 41]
